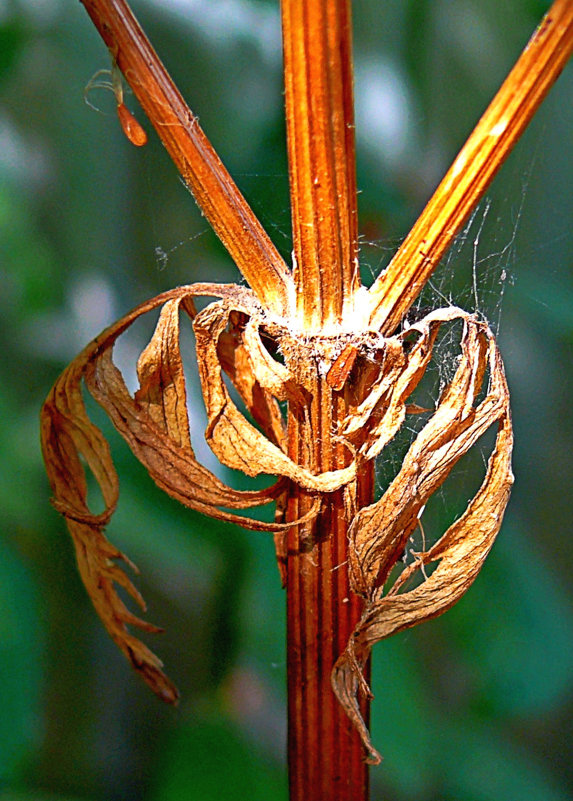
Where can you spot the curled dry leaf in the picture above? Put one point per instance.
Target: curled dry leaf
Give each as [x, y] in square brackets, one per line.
[234, 441]
[376, 381]
[379, 532]
[154, 422]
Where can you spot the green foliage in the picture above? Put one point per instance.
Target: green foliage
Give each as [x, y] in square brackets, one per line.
[213, 759]
[21, 664]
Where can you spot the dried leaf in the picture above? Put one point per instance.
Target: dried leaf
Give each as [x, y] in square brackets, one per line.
[379, 532]
[162, 394]
[269, 373]
[154, 423]
[67, 435]
[238, 366]
[236, 442]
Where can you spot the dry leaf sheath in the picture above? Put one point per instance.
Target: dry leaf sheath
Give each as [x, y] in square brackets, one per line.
[313, 342]
[155, 425]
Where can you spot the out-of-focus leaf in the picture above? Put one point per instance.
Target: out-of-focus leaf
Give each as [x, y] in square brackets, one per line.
[526, 655]
[26, 795]
[20, 663]
[403, 721]
[548, 304]
[19, 454]
[212, 760]
[28, 266]
[12, 38]
[483, 767]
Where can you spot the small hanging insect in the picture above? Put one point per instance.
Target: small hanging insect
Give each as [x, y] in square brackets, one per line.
[130, 126]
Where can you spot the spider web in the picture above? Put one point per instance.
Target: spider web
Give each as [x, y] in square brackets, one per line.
[474, 276]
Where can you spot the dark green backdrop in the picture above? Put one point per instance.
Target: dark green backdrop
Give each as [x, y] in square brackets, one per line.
[475, 706]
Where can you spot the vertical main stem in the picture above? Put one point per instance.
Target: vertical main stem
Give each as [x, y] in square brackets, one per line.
[321, 154]
[326, 757]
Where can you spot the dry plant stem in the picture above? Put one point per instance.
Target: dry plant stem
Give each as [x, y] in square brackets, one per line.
[326, 758]
[473, 170]
[320, 126]
[328, 483]
[213, 188]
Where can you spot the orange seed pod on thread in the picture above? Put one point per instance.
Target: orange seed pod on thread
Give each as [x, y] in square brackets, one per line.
[131, 127]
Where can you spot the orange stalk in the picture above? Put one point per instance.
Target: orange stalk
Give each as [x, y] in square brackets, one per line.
[343, 404]
[468, 178]
[326, 758]
[320, 128]
[201, 168]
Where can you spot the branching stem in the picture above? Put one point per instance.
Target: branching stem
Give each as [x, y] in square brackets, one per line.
[315, 301]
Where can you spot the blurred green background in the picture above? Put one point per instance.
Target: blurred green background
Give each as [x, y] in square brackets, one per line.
[474, 706]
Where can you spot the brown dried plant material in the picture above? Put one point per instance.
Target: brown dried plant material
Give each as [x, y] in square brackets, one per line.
[234, 441]
[155, 424]
[379, 532]
[347, 393]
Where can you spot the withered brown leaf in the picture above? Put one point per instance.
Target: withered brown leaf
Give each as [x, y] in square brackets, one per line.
[236, 442]
[379, 532]
[367, 377]
[154, 422]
